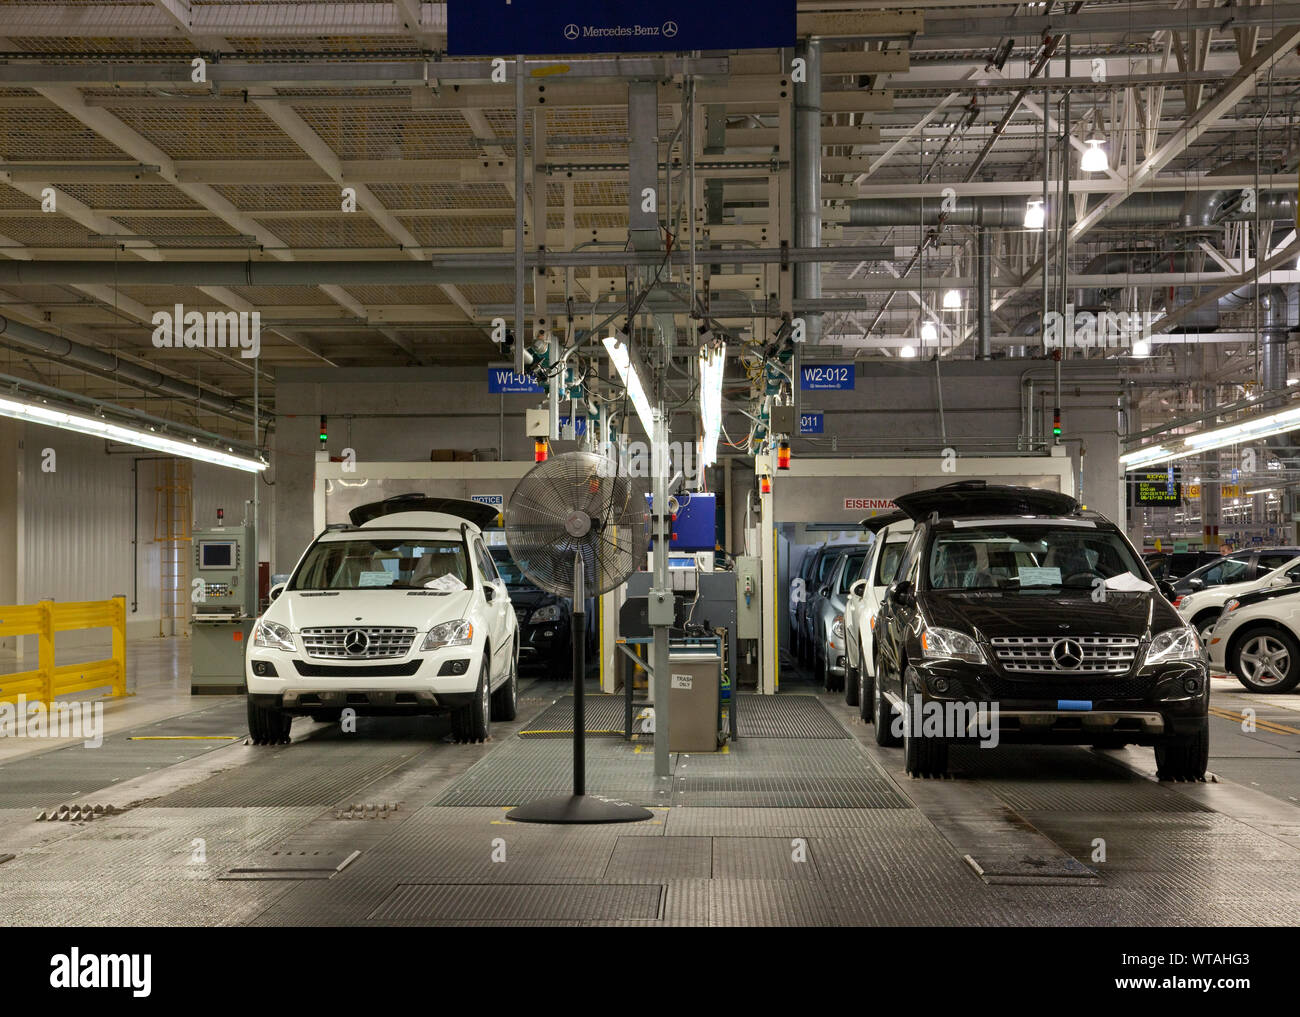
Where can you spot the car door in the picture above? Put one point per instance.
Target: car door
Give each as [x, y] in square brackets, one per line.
[855, 607]
[896, 617]
[501, 617]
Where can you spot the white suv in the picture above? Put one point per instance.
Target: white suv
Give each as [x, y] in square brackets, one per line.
[892, 532]
[1202, 608]
[1257, 638]
[401, 612]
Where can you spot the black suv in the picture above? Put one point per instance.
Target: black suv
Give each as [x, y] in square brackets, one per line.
[1012, 599]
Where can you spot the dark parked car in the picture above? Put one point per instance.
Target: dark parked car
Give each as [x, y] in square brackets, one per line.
[1170, 566]
[545, 620]
[819, 563]
[1241, 566]
[1013, 598]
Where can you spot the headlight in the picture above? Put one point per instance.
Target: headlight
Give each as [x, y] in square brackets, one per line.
[549, 613]
[453, 633]
[1231, 605]
[1174, 645]
[941, 644]
[837, 626]
[269, 635]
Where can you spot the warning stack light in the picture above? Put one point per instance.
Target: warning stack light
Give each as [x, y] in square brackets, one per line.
[324, 430]
[765, 485]
[783, 455]
[540, 451]
[1056, 421]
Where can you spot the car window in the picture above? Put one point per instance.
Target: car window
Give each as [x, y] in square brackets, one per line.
[1229, 570]
[380, 563]
[486, 564]
[824, 567]
[1270, 560]
[887, 564]
[907, 565]
[1015, 557]
[852, 566]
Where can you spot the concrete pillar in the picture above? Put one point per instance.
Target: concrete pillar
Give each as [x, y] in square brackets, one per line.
[11, 433]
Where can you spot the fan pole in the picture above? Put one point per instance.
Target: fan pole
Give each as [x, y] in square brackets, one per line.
[579, 638]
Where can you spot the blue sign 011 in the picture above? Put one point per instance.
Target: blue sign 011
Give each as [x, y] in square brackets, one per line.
[826, 377]
[503, 380]
[503, 28]
[812, 423]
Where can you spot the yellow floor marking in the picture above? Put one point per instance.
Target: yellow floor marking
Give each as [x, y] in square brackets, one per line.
[1264, 725]
[183, 738]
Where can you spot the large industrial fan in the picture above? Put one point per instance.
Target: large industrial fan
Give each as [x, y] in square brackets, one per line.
[575, 526]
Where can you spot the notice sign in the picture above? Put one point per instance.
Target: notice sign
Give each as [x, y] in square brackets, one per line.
[812, 423]
[868, 504]
[502, 380]
[497, 501]
[826, 377]
[1154, 488]
[504, 28]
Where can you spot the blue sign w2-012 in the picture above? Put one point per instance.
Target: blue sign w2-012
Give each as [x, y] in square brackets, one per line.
[504, 380]
[812, 423]
[826, 377]
[504, 28]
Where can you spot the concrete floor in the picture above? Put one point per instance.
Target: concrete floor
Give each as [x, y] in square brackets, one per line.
[823, 829]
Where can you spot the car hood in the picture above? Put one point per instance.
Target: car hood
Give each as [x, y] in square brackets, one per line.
[531, 597]
[419, 609]
[1034, 614]
[1248, 598]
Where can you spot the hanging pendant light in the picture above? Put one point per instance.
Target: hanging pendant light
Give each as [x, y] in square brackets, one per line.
[1035, 216]
[1094, 158]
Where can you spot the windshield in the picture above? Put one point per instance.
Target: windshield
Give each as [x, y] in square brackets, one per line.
[511, 574]
[890, 555]
[1027, 557]
[379, 563]
[852, 566]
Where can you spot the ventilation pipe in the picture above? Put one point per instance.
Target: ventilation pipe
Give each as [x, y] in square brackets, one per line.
[95, 361]
[984, 345]
[808, 180]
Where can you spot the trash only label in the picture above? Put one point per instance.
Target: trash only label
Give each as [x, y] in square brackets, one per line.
[683, 681]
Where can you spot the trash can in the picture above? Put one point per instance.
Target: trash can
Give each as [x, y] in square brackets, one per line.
[694, 713]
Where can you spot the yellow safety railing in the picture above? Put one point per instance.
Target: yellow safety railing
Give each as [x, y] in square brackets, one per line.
[46, 618]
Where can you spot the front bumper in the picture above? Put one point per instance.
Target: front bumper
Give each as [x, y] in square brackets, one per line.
[543, 644]
[1142, 707]
[417, 682]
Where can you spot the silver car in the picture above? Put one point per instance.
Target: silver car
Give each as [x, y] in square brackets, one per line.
[826, 612]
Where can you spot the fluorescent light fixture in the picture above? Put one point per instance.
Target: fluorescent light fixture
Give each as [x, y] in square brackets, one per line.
[952, 300]
[1206, 441]
[1035, 217]
[1094, 157]
[713, 366]
[35, 413]
[929, 334]
[1142, 348]
[622, 361]
[907, 351]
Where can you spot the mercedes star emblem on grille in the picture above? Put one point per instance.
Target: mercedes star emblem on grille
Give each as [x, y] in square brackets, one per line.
[1067, 654]
[356, 642]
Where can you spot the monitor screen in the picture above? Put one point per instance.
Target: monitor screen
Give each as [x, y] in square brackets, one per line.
[217, 554]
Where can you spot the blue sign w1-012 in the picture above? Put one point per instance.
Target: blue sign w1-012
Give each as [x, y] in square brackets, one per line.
[812, 423]
[504, 28]
[826, 377]
[504, 380]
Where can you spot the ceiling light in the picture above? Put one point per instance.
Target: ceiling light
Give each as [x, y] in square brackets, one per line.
[713, 366]
[929, 333]
[1094, 158]
[1035, 217]
[1206, 441]
[616, 345]
[907, 351]
[100, 428]
[1142, 348]
[952, 300]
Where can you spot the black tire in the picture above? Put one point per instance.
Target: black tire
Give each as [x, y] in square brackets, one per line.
[473, 722]
[505, 700]
[883, 718]
[1251, 647]
[866, 696]
[268, 725]
[850, 685]
[923, 755]
[1183, 758]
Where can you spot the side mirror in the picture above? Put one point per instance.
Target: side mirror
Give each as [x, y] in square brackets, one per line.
[1166, 589]
[904, 592]
[858, 589]
[489, 592]
[1196, 583]
[276, 590]
[825, 591]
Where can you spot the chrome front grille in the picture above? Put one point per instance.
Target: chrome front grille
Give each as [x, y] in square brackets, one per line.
[358, 642]
[1110, 655]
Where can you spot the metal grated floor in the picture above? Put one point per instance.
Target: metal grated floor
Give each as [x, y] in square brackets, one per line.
[785, 716]
[416, 904]
[603, 714]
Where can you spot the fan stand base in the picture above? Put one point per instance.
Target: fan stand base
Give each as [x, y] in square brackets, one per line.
[578, 809]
